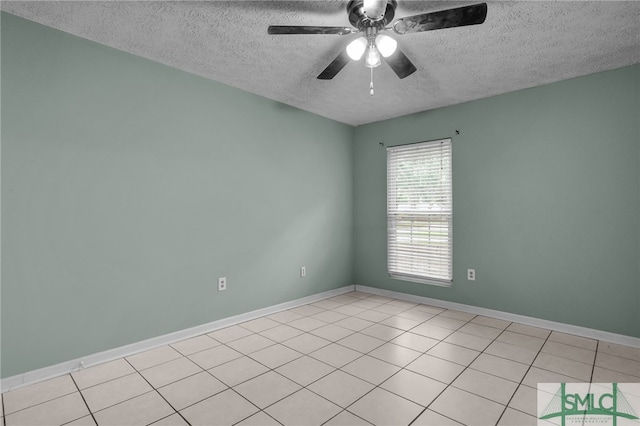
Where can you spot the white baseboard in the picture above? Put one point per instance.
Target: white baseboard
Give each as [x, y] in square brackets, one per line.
[31, 377]
[522, 319]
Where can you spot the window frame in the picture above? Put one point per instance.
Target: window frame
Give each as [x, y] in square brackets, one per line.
[393, 271]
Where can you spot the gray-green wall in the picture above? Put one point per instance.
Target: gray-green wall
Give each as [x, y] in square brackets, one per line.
[546, 198]
[128, 187]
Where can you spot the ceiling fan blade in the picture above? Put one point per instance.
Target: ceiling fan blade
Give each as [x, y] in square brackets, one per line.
[301, 29]
[458, 17]
[335, 66]
[400, 64]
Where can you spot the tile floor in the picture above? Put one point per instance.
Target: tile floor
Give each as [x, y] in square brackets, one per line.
[354, 359]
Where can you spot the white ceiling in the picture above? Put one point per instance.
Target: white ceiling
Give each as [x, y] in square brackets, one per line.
[521, 44]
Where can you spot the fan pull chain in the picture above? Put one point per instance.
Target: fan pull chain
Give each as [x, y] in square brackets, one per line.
[371, 85]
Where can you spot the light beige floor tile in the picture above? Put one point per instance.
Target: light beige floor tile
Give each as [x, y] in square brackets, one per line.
[602, 375]
[491, 322]
[285, 316]
[381, 299]
[432, 331]
[433, 310]
[225, 408]
[153, 357]
[445, 322]
[621, 351]
[306, 343]
[371, 369]
[341, 388]
[332, 332]
[305, 370]
[307, 323]
[382, 332]
[335, 355]
[525, 399]
[481, 330]
[327, 304]
[361, 342]
[403, 303]
[275, 356]
[303, 408]
[401, 323]
[213, 357]
[615, 363]
[459, 315]
[513, 417]
[537, 375]
[259, 419]
[193, 389]
[229, 334]
[389, 309]
[172, 420]
[579, 370]
[414, 387]
[541, 333]
[102, 373]
[436, 368]
[307, 310]
[365, 304]
[486, 385]
[170, 372]
[266, 389]
[372, 316]
[416, 314]
[431, 418]
[512, 352]
[454, 353]
[237, 371]
[468, 340]
[353, 323]
[115, 391]
[415, 341]
[526, 341]
[467, 408]
[249, 344]
[328, 316]
[570, 352]
[281, 333]
[38, 393]
[83, 421]
[195, 344]
[573, 340]
[395, 354]
[346, 418]
[381, 407]
[500, 367]
[259, 324]
[141, 410]
[57, 411]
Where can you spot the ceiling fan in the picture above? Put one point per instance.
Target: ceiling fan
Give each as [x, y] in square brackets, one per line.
[370, 17]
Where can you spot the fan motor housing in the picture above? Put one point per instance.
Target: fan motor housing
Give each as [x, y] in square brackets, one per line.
[359, 20]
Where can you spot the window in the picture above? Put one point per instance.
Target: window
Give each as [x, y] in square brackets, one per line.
[419, 212]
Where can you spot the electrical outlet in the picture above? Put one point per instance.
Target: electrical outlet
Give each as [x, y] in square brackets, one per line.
[471, 274]
[222, 283]
[303, 271]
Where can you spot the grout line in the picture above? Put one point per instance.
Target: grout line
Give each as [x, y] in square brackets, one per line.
[83, 399]
[156, 391]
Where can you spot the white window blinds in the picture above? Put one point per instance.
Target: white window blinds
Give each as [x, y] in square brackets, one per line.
[419, 212]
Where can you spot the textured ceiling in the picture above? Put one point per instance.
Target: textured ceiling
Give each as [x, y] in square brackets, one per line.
[521, 44]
